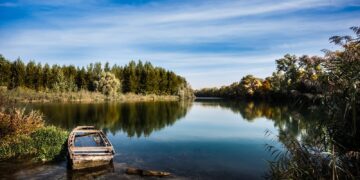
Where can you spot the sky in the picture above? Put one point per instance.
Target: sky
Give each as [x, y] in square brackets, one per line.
[209, 42]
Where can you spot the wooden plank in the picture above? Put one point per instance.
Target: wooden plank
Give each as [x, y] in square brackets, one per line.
[93, 154]
[85, 134]
[90, 149]
[81, 127]
[86, 131]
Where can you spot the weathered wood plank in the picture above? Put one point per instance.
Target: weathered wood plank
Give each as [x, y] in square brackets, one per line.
[86, 131]
[89, 156]
[90, 149]
[92, 154]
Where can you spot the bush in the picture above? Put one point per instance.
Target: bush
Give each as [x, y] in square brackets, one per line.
[45, 144]
[24, 134]
[16, 122]
[49, 143]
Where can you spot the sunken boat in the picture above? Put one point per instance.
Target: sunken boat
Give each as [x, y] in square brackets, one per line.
[89, 147]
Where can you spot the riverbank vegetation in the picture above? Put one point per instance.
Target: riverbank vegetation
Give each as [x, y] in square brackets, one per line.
[24, 135]
[332, 81]
[26, 95]
[308, 77]
[95, 81]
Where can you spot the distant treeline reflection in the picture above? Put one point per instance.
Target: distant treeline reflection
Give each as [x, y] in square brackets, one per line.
[289, 119]
[141, 119]
[135, 119]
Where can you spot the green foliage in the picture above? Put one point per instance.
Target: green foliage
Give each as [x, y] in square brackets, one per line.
[44, 144]
[108, 84]
[134, 77]
[19, 146]
[46, 77]
[5, 66]
[61, 83]
[251, 85]
[24, 134]
[17, 74]
[49, 143]
[146, 79]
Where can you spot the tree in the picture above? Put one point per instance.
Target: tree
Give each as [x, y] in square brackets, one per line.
[141, 77]
[46, 77]
[288, 66]
[38, 77]
[250, 85]
[311, 74]
[108, 84]
[60, 83]
[163, 82]
[30, 75]
[90, 77]
[107, 67]
[172, 82]
[5, 67]
[118, 71]
[130, 78]
[81, 78]
[344, 77]
[17, 74]
[97, 69]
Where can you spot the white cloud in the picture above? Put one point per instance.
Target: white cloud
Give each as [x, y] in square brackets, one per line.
[118, 34]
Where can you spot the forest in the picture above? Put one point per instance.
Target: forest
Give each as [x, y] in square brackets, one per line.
[135, 77]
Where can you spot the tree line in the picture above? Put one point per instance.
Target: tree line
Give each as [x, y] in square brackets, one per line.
[337, 72]
[135, 77]
[331, 81]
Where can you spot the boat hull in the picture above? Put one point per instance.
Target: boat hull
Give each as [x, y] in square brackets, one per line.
[90, 161]
[89, 147]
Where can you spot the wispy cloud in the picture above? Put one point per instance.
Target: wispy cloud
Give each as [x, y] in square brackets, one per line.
[208, 42]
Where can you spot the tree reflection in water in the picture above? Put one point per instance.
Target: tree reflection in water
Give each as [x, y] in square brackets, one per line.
[318, 143]
[314, 145]
[135, 119]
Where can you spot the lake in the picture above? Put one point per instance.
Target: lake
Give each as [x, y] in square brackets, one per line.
[204, 139]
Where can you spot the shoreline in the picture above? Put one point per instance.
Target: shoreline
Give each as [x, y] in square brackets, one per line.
[31, 96]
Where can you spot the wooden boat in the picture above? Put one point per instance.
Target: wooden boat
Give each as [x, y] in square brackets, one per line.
[89, 147]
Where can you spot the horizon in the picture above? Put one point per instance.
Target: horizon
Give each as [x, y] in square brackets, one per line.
[208, 43]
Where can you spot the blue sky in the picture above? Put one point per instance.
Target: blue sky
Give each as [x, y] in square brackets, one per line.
[209, 42]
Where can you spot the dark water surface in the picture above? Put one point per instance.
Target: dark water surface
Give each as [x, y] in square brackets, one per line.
[205, 139]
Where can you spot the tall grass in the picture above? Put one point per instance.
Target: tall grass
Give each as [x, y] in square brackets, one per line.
[24, 134]
[21, 94]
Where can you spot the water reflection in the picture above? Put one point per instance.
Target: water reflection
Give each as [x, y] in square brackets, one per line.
[291, 119]
[205, 139]
[136, 119]
[141, 119]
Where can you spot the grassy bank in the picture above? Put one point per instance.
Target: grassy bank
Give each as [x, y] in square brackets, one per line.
[24, 134]
[30, 96]
[44, 144]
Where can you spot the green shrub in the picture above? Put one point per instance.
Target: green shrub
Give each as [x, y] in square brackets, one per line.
[49, 143]
[15, 147]
[45, 144]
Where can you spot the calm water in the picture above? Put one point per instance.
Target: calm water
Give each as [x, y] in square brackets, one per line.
[205, 139]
